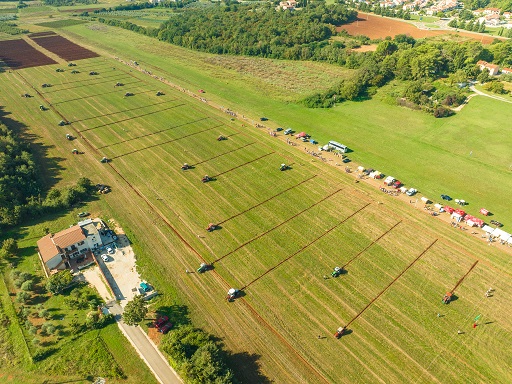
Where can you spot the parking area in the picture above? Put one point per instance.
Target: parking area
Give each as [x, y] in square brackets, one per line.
[117, 261]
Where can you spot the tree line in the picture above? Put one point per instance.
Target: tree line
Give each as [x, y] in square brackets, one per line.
[21, 191]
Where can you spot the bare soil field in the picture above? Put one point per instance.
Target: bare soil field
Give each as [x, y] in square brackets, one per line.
[18, 54]
[64, 48]
[376, 27]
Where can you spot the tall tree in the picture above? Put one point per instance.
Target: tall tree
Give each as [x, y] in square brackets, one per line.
[135, 311]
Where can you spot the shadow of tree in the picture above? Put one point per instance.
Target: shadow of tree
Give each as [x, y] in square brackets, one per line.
[247, 368]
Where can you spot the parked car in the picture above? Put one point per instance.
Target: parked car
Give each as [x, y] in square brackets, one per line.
[83, 214]
[165, 328]
[411, 192]
[346, 160]
[288, 131]
[145, 287]
[160, 321]
[496, 223]
[110, 250]
[104, 257]
[446, 197]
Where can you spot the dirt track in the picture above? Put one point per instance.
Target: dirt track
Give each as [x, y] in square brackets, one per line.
[376, 27]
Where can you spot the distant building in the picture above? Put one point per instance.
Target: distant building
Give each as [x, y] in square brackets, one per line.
[506, 71]
[288, 5]
[491, 11]
[492, 68]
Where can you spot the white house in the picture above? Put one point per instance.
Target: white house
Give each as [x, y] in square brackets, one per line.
[56, 250]
[492, 68]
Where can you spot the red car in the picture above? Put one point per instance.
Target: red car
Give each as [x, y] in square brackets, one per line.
[397, 184]
[165, 328]
[161, 321]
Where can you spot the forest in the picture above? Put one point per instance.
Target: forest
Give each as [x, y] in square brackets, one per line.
[256, 30]
[21, 191]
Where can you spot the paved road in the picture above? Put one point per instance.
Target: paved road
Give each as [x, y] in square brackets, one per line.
[491, 96]
[146, 349]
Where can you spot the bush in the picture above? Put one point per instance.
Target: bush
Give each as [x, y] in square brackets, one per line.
[28, 285]
[48, 329]
[42, 354]
[22, 297]
[442, 112]
[33, 331]
[59, 281]
[44, 314]
[15, 274]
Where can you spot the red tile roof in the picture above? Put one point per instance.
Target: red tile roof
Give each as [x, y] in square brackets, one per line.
[47, 249]
[69, 236]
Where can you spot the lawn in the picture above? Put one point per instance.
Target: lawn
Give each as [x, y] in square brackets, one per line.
[281, 232]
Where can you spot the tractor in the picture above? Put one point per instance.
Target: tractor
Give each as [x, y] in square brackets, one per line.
[212, 227]
[75, 151]
[284, 167]
[447, 298]
[206, 179]
[42, 108]
[69, 137]
[337, 271]
[232, 294]
[118, 84]
[59, 70]
[71, 65]
[46, 85]
[128, 94]
[62, 123]
[203, 268]
[104, 160]
[160, 93]
[221, 137]
[26, 95]
[74, 71]
[93, 73]
[339, 332]
[185, 166]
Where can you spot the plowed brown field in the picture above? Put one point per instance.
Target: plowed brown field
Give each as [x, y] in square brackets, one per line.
[376, 27]
[64, 48]
[19, 54]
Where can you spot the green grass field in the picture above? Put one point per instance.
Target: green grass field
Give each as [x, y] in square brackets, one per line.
[283, 231]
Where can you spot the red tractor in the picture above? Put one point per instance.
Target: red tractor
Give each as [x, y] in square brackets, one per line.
[339, 332]
[211, 227]
[206, 179]
[185, 167]
[447, 298]
[232, 294]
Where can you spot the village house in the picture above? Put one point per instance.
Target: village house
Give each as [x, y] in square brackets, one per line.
[64, 249]
[288, 5]
[507, 15]
[493, 20]
[491, 11]
[506, 71]
[492, 68]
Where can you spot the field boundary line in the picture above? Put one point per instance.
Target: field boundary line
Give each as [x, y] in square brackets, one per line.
[371, 244]
[390, 284]
[152, 133]
[132, 118]
[307, 245]
[222, 154]
[244, 164]
[267, 200]
[463, 277]
[277, 226]
[123, 111]
[95, 95]
[89, 82]
[165, 142]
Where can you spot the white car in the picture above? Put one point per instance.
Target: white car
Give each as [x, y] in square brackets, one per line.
[104, 257]
[411, 192]
[110, 250]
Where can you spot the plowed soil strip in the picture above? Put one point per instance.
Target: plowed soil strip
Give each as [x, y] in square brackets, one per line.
[244, 164]
[391, 283]
[463, 277]
[18, 54]
[306, 246]
[270, 198]
[132, 118]
[275, 227]
[224, 153]
[165, 142]
[124, 111]
[372, 243]
[154, 133]
[64, 48]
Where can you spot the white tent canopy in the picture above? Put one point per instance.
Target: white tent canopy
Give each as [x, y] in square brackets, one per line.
[501, 234]
[488, 229]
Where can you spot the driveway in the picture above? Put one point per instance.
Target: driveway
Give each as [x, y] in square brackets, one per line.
[122, 276]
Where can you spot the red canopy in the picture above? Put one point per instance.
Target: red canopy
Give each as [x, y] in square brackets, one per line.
[302, 134]
[448, 209]
[460, 212]
[484, 211]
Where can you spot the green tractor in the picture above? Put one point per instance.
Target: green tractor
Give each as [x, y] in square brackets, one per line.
[337, 271]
